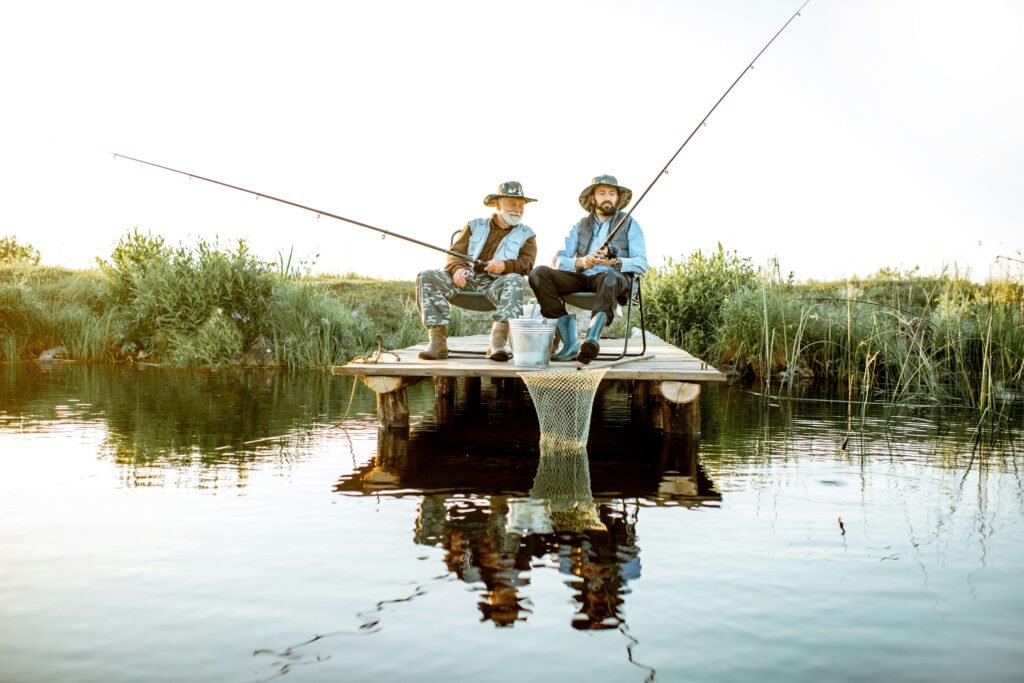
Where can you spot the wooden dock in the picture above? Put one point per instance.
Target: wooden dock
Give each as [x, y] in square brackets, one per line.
[666, 378]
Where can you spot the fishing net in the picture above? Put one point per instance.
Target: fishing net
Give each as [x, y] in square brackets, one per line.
[563, 400]
[561, 499]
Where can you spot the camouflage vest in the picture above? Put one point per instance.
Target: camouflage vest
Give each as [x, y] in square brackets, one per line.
[585, 233]
[508, 247]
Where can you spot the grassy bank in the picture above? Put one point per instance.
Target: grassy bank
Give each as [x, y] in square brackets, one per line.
[207, 305]
[899, 334]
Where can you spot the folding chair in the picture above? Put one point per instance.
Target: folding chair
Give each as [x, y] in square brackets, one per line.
[586, 301]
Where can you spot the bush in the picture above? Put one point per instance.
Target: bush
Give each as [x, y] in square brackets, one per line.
[218, 341]
[161, 295]
[683, 300]
[11, 252]
[310, 328]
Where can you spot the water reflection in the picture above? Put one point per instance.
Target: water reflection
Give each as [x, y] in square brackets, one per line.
[158, 421]
[499, 515]
[429, 552]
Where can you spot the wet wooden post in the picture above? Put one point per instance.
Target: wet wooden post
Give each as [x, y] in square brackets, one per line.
[680, 407]
[644, 401]
[392, 450]
[471, 386]
[445, 386]
[392, 399]
[505, 386]
[444, 398]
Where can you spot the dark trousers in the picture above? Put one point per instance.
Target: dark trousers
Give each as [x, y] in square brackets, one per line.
[549, 285]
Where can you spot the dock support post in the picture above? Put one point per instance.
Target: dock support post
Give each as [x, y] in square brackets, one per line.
[445, 386]
[644, 402]
[504, 386]
[444, 398]
[471, 386]
[392, 399]
[680, 408]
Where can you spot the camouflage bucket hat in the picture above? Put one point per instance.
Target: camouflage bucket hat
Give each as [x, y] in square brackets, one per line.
[587, 196]
[510, 188]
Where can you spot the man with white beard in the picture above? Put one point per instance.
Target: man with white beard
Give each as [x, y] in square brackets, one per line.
[583, 265]
[508, 246]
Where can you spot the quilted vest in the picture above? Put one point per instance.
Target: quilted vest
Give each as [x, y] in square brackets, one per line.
[585, 233]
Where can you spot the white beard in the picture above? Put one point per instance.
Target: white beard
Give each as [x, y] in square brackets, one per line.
[511, 219]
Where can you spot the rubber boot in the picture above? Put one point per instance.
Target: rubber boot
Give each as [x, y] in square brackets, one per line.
[591, 347]
[438, 348]
[498, 350]
[570, 343]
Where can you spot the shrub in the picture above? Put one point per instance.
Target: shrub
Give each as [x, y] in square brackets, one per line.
[12, 252]
[683, 299]
[161, 295]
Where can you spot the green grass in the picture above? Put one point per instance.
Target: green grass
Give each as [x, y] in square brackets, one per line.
[938, 339]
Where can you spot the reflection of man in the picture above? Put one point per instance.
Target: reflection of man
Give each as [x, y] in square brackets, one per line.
[508, 246]
[583, 265]
[480, 546]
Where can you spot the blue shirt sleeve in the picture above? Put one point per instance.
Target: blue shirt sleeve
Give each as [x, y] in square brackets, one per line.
[565, 259]
[636, 262]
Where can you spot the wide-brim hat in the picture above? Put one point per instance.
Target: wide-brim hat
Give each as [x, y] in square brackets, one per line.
[587, 196]
[510, 188]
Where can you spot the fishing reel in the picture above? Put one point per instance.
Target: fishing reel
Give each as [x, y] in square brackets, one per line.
[611, 251]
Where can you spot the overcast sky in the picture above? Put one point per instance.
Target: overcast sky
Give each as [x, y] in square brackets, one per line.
[873, 133]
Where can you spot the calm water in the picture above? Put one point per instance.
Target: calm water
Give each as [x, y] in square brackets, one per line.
[141, 538]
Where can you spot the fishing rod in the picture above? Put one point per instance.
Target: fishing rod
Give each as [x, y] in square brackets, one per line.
[478, 265]
[607, 243]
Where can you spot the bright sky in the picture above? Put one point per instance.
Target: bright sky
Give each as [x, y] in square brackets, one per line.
[873, 133]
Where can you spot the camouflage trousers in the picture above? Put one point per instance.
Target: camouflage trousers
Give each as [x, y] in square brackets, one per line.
[434, 289]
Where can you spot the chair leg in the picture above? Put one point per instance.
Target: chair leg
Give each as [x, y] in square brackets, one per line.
[643, 329]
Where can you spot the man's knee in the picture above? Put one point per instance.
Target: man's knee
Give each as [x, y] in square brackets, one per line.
[539, 274]
[615, 280]
[432, 276]
[510, 281]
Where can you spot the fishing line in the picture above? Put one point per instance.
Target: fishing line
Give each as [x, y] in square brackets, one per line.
[700, 125]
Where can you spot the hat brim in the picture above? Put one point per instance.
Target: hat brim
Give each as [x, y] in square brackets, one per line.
[587, 197]
[492, 199]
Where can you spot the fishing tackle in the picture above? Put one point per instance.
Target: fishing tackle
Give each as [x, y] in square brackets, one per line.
[612, 251]
[478, 265]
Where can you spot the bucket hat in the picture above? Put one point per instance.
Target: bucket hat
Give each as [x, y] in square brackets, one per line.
[509, 188]
[587, 196]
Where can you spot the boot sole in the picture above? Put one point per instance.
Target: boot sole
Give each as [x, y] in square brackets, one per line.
[588, 352]
[500, 357]
[430, 356]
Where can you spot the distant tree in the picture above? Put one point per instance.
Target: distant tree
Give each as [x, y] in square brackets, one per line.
[12, 252]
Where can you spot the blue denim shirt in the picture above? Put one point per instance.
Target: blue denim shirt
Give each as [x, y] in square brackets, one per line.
[636, 262]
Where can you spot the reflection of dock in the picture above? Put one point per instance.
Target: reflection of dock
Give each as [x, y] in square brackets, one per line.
[500, 515]
[670, 377]
[428, 462]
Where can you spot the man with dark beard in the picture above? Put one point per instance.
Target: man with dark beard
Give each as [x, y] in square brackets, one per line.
[510, 249]
[583, 265]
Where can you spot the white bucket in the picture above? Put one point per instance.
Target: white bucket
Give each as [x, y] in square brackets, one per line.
[531, 341]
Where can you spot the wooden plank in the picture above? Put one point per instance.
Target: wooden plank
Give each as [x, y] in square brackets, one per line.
[668, 362]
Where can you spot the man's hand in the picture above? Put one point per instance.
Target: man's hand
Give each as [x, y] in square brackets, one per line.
[604, 258]
[596, 258]
[495, 267]
[461, 277]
